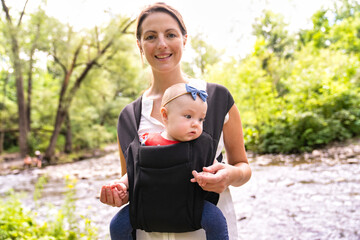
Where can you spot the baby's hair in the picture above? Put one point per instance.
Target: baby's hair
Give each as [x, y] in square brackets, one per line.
[180, 89]
[173, 92]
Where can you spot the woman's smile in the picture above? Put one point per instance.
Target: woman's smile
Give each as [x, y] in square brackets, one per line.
[163, 56]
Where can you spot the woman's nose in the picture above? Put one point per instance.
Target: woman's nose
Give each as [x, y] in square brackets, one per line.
[162, 42]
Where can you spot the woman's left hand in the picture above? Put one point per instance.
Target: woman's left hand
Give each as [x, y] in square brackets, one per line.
[214, 178]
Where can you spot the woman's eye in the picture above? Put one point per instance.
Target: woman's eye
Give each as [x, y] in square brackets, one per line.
[150, 37]
[171, 35]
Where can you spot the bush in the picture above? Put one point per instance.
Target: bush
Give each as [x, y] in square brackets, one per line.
[18, 223]
[305, 132]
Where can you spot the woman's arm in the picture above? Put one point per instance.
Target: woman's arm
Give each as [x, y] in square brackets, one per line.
[238, 171]
[235, 149]
[122, 159]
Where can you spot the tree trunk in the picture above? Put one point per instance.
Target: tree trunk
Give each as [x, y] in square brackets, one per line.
[2, 135]
[3, 104]
[30, 77]
[22, 140]
[21, 104]
[68, 134]
[60, 116]
[29, 93]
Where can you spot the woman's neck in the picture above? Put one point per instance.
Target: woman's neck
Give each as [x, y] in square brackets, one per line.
[161, 81]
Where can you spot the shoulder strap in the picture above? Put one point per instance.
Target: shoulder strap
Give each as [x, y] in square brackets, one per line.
[128, 124]
[219, 103]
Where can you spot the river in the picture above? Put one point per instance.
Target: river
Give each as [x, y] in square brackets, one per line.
[309, 196]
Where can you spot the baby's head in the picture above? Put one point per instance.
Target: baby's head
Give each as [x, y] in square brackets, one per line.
[183, 112]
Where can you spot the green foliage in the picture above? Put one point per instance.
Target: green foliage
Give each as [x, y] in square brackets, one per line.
[298, 103]
[39, 186]
[18, 223]
[295, 91]
[206, 55]
[272, 28]
[113, 82]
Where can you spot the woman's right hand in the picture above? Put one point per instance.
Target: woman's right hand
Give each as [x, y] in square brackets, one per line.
[110, 195]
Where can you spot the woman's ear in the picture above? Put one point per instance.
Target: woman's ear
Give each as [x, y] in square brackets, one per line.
[141, 51]
[139, 46]
[185, 39]
[164, 115]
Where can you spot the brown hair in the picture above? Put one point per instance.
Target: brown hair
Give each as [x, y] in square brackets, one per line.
[159, 7]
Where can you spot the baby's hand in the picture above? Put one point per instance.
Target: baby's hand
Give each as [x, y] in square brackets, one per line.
[198, 177]
[121, 189]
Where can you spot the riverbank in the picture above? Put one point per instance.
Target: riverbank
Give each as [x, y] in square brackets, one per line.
[309, 196]
[13, 164]
[345, 152]
[338, 152]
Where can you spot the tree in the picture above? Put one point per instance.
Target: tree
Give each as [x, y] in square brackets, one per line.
[34, 31]
[272, 28]
[274, 46]
[206, 55]
[68, 54]
[13, 31]
[346, 9]
[335, 28]
[318, 35]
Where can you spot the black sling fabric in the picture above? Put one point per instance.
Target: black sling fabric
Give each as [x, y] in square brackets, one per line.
[162, 198]
[152, 212]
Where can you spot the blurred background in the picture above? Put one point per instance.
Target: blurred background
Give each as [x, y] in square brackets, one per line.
[67, 68]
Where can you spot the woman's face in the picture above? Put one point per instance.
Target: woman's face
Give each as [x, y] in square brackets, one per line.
[162, 42]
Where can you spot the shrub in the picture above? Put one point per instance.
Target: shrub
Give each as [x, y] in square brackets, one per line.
[18, 223]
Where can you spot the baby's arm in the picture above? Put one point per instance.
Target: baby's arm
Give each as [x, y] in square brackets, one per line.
[121, 186]
[122, 190]
[199, 177]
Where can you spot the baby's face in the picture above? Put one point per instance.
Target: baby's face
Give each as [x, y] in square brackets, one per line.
[185, 118]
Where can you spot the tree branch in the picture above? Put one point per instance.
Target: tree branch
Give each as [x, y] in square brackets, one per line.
[97, 39]
[128, 25]
[57, 60]
[76, 55]
[6, 10]
[22, 13]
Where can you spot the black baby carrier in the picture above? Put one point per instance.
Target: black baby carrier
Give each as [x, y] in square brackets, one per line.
[161, 196]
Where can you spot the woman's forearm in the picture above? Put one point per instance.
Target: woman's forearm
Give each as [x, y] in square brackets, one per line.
[239, 174]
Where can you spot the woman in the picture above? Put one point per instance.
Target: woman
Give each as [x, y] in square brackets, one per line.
[161, 37]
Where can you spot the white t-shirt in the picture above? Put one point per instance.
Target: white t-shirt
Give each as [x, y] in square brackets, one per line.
[149, 124]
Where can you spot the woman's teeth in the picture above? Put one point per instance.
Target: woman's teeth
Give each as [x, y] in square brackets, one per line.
[163, 56]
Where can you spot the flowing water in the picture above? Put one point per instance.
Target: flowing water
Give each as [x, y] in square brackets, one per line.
[309, 196]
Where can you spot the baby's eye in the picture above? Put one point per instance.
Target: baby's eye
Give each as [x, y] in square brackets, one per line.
[187, 116]
[202, 119]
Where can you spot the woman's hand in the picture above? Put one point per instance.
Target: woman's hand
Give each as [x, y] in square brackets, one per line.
[111, 194]
[214, 178]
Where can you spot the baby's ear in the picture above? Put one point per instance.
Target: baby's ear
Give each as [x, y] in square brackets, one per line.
[164, 115]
